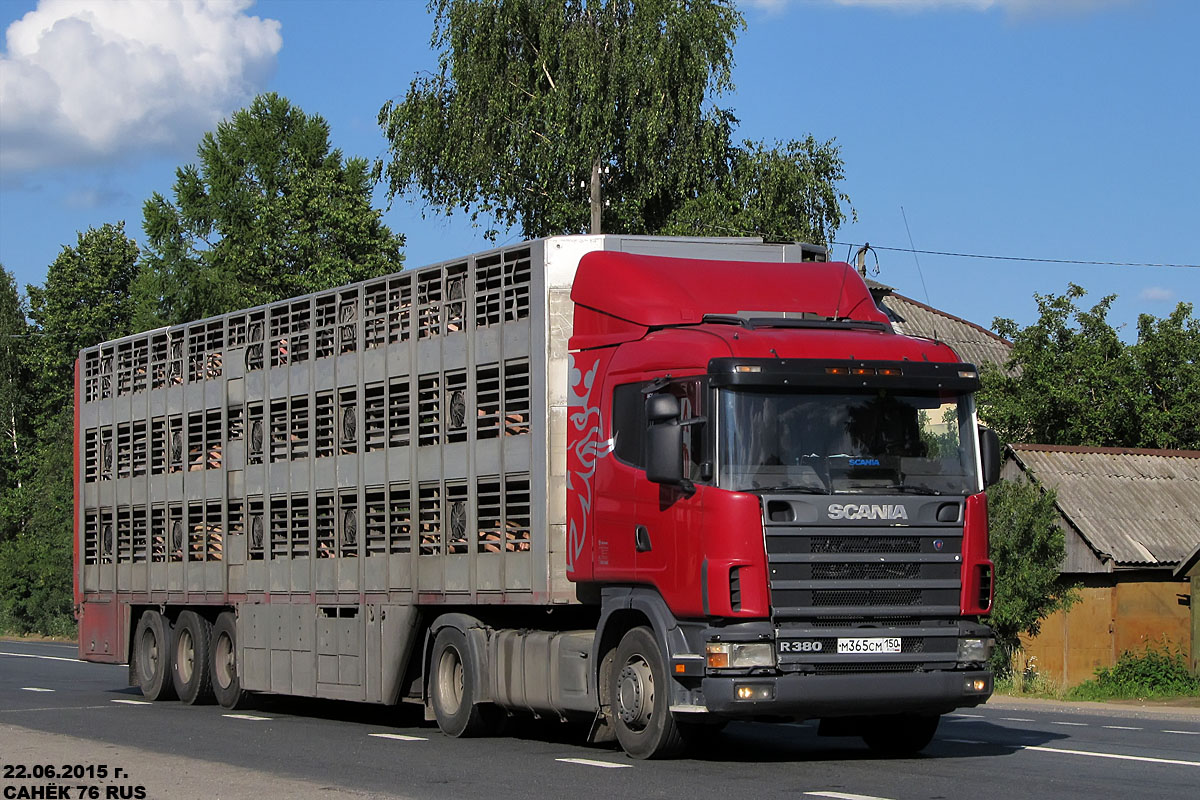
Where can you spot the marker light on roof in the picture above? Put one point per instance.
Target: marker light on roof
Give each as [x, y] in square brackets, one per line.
[747, 368]
[890, 372]
[968, 373]
[836, 371]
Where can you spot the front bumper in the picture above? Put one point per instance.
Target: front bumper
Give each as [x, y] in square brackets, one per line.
[859, 694]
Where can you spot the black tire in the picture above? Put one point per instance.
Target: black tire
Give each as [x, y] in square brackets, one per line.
[152, 656]
[223, 665]
[190, 659]
[902, 735]
[641, 699]
[454, 689]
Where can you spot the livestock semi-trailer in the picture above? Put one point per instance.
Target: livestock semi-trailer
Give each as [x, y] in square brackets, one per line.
[653, 483]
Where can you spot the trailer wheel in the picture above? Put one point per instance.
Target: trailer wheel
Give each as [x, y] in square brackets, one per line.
[454, 687]
[152, 656]
[641, 698]
[193, 636]
[902, 735]
[227, 686]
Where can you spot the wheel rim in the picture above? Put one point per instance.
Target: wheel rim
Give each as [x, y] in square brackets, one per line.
[148, 655]
[635, 693]
[450, 681]
[185, 658]
[224, 667]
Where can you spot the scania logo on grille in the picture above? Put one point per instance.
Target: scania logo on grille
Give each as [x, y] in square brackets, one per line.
[867, 511]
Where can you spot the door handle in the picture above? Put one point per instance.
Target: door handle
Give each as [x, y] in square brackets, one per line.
[641, 539]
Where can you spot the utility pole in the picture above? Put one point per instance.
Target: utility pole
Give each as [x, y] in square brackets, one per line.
[596, 200]
[861, 259]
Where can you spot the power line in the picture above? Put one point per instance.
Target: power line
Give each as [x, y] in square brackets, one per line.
[1021, 258]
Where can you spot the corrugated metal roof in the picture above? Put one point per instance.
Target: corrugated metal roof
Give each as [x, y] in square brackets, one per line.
[973, 343]
[1138, 507]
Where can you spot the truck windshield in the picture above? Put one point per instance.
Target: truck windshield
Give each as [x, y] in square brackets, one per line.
[867, 442]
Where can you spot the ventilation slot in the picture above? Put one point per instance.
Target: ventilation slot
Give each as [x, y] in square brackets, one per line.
[106, 454]
[349, 524]
[456, 513]
[175, 542]
[348, 322]
[399, 308]
[489, 289]
[195, 441]
[375, 522]
[399, 519]
[124, 368]
[516, 513]
[488, 515]
[124, 535]
[279, 430]
[214, 532]
[257, 526]
[429, 303]
[516, 397]
[138, 467]
[91, 456]
[347, 421]
[375, 332]
[735, 588]
[91, 377]
[487, 401]
[300, 522]
[254, 336]
[429, 412]
[456, 292]
[325, 323]
[124, 449]
[429, 501]
[158, 534]
[257, 438]
[374, 417]
[517, 271]
[91, 537]
[106, 536]
[456, 407]
[325, 526]
[324, 419]
[279, 526]
[399, 421]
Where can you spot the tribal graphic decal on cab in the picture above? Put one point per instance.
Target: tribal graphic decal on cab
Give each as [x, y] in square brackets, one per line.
[585, 447]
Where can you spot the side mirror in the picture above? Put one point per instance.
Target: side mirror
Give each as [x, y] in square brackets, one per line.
[989, 455]
[664, 440]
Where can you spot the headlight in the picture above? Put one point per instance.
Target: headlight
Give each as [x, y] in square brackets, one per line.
[975, 649]
[739, 655]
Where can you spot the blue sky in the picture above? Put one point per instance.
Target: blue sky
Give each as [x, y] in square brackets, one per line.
[1060, 129]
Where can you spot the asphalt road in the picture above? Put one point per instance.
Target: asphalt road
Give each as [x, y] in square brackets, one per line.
[58, 712]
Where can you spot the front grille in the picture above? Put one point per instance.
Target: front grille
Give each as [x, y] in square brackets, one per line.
[865, 544]
[868, 597]
[843, 669]
[865, 572]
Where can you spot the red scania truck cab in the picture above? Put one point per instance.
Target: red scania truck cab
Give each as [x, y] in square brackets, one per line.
[788, 489]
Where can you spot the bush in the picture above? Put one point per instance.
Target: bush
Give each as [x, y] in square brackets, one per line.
[1154, 672]
[35, 587]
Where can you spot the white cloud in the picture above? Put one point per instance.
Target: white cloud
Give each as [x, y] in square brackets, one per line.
[1157, 294]
[1021, 7]
[91, 80]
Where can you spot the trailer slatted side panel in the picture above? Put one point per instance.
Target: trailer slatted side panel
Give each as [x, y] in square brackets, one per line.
[377, 439]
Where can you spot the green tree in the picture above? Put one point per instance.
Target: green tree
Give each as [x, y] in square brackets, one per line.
[85, 300]
[1027, 547]
[1071, 380]
[16, 440]
[270, 211]
[538, 102]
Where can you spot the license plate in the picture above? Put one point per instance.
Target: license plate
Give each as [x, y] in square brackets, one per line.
[866, 646]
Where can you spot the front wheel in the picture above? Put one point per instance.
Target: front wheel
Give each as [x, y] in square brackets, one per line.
[455, 686]
[641, 699]
[901, 735]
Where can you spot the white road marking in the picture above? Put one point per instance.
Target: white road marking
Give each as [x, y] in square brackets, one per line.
[845, 796]
[1121, 728]
[35, 689]
[587, 762]
[964, 741]
[134, 702]
[399, 737]
[967, 716]
[1185, 733]
[245, 716]
[1112, 755]
[1017, 719]
[48, 658]
[1073, 724]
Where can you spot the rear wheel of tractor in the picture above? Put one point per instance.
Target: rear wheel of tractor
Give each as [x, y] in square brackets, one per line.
[641, 697]
[152, 656]
[223, 667]
[454, 687]
[193, 636]
[901, 735]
